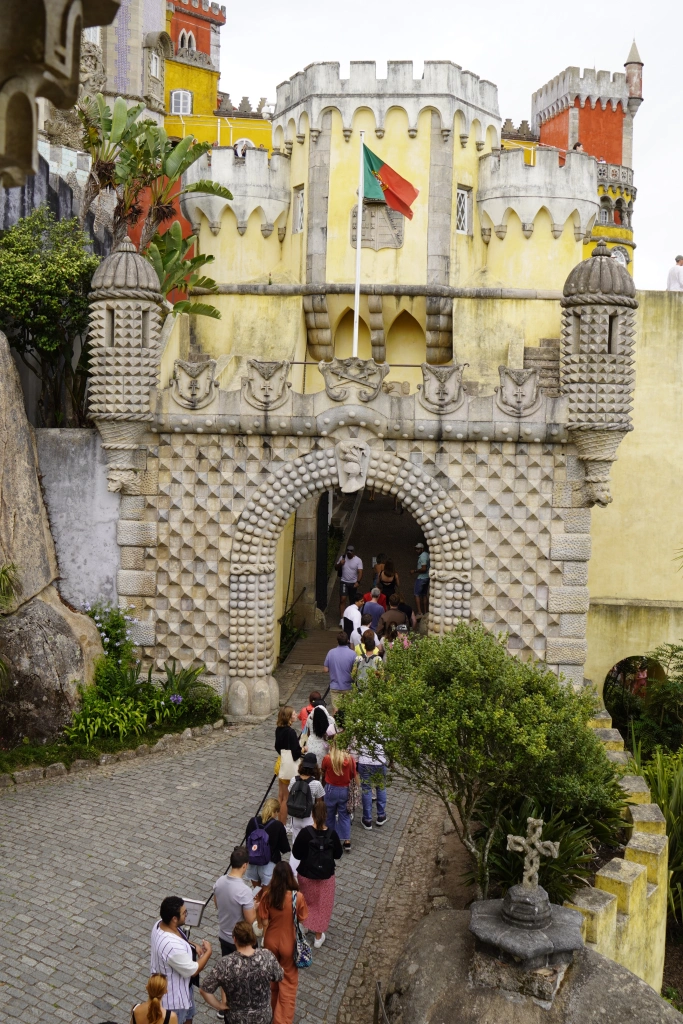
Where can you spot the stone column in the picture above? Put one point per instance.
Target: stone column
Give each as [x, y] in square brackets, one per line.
[316, 202]
[305, 563]
[440, 203]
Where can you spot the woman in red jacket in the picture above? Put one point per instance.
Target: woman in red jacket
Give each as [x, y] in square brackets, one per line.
[338, 768]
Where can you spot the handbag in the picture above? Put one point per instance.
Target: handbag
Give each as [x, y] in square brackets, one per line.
[288, 766]
[303, 955]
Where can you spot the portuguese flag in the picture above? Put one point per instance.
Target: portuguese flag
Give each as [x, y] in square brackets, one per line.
[384, 185]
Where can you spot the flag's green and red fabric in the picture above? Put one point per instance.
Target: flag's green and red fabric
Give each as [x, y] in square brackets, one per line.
[384, 185]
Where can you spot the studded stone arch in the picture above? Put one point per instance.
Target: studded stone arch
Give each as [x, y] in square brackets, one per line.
[252, 688]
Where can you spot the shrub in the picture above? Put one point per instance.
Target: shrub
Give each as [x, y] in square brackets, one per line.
[664, 775]
[113, 625]
[651, 714]
[106, 717]
[198, 701]
[461, 718]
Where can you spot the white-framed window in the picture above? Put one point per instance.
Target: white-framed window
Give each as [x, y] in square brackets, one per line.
[298, 211]
[181, 101]
[463, 211]
[92, 35]
[154, 65]
[182, 40]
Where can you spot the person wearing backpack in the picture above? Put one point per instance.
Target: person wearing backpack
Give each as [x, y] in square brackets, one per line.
[370, 661]
[304, 790]
[317, 847]
[266, 842]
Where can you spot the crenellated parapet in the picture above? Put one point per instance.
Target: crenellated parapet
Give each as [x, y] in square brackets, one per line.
[255, 181]
[507, 183]
[443, 87]
[592, 87]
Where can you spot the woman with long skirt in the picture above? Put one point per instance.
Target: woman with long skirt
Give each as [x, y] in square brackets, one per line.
[317, 847]
[276, 914]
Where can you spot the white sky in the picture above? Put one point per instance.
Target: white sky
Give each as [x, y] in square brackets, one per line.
[518, 46]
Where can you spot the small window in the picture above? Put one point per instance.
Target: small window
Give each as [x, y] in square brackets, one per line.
[92, 35]
[613, 335]
[298, 211]
[181, 101]
[575, 335]
[154, 65]
[182, 41]
[463, 213]
[109, 327]
[190, 42]
[145, 328]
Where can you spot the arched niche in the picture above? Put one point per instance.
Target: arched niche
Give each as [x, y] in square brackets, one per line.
[406, 343]
[343, 338]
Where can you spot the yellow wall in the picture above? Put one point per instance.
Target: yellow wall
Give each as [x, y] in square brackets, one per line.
[635, 539]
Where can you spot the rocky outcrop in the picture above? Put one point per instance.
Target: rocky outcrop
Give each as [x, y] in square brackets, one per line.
[48, 649]
[431, 984]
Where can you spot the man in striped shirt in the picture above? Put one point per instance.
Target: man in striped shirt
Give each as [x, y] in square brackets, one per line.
[172, 956]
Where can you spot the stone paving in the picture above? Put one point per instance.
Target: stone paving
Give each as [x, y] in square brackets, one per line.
[85, 862]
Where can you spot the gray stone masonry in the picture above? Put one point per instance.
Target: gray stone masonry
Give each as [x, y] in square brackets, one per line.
[87, 860]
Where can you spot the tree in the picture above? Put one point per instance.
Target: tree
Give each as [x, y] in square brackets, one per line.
[46, 268]
[461, 718]
[138, 162]
[179, 271]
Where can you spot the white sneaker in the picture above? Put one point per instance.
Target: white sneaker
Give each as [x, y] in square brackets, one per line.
[318, 942]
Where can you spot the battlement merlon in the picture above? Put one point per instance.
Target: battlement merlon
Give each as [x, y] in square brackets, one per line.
[507, 183]
[255, 181]
[444, 87]
[593, 87]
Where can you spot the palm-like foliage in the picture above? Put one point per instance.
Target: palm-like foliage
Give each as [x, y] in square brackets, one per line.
[664, 775]
[177, 270]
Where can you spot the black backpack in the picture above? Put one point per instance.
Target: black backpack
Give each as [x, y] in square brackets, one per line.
[300, 799]
[320, 858]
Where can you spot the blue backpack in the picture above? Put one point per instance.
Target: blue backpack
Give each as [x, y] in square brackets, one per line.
[258, 845]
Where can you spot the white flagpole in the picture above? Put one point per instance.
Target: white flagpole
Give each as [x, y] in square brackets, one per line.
[359, 232]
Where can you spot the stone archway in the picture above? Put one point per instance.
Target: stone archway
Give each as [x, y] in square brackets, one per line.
[252, 690]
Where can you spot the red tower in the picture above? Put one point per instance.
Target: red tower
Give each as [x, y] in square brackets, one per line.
[195, 26]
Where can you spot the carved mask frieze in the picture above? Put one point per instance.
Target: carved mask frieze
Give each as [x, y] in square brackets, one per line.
[353, 458]
[518, 394]
[266, 387]
[441, 390]
[360, 378]
[193, 385]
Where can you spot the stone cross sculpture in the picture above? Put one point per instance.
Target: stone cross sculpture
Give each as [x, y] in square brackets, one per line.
[533, 849]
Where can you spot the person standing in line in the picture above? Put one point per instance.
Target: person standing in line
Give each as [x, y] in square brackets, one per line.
[404, 607]
[350, 569]
[375, 605]
[319, 728]
[317, 848]
[674, 282]
[272, 845]
[245, 978]
[339, 662]
[233, 899]
[278, 903]
[361, 647]
[377, 566]
[338, 769]
[304, 789]
[369, 660]
[352, 616]
[172, 955]
[314, 699]
[392, 617]
[358, 633]
[288, 747]
[421, 590]
[151, 1011]
[372, 768]
[387, 580]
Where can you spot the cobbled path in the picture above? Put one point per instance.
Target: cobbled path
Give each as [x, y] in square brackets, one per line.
[85, 862]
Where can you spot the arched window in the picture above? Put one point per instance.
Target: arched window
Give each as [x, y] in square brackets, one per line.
[182, 41]
[191, 45]
[605, 210]
[181, 101]
[619, 212]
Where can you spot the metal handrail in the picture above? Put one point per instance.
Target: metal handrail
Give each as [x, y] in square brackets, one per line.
[380, 1014]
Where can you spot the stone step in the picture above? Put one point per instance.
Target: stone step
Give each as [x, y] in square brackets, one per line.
[651, 851]
[635, 788]
[627, 881]
[601, 720]
[647, 818]
[611, 739]
[618, 757]
[599, 911]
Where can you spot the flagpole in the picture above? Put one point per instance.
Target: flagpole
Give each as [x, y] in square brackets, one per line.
[359, 240]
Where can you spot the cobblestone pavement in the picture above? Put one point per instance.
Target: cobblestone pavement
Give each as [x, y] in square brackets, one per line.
[85, 862]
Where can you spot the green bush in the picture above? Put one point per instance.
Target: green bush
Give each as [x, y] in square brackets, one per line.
[651, 715]
[100, 716]
[198, 703]
[461, 718]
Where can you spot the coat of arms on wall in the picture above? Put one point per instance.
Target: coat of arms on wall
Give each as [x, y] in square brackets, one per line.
[363, 376]
[382, 227]
[266, 387]
[518, 392]
[441, 390]
[192, 384]
[352, 464]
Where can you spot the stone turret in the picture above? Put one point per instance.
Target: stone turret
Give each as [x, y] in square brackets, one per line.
[124, 335]
[597, 364]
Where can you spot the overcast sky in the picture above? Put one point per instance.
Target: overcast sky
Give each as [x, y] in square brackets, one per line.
[519, 46]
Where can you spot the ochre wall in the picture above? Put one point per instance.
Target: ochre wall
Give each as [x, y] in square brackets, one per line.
[635, 539]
